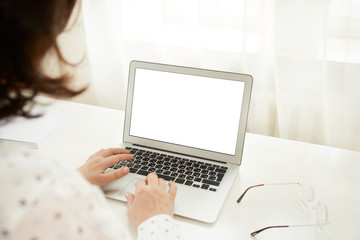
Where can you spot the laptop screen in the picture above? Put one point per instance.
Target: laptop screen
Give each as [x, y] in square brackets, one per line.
[188, 110]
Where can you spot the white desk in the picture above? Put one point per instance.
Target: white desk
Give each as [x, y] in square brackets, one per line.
[333, 173]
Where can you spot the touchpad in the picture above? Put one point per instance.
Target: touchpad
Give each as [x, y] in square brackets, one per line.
[130, 187]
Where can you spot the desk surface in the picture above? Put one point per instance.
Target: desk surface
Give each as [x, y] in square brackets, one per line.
[333, 173]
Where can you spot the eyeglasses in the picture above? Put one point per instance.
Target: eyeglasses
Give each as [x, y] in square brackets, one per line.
[306, 195]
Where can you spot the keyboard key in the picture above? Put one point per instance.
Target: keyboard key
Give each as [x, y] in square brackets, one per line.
[205, 186]
[213, 178]
[144, 168]
[133, 170]
[143, 172]
[212, 189]
[151, 165]
[174, 174]
[221, 170]
[181, 171]
[182, 176]
[166, 172]
[188, 183]
[159, 171]
[165, 177]
[130, 164]
[210, 182]
[117, 166]
[196, 185]
[204, 176]
[180, 180]
[190, 178]
[220, 176]
[197, 179]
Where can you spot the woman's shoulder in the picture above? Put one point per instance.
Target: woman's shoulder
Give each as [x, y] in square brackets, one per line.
[37, 187]
[27, 170]
[19, 165]
[26, 174]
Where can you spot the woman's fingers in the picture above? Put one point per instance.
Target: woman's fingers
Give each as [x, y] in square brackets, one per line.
[117, 158]
[151, 198]
[162, 184]
[94, 168]
[130, 198]
[114, 175]
[140, 184]
[152, 179]
[172, 190]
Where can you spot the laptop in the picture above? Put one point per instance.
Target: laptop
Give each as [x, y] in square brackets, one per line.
[187, 125]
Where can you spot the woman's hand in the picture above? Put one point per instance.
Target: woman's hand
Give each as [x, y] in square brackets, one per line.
[151, 198]
[93, 169]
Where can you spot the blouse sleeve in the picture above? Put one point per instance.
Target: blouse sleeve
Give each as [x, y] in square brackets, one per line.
[69, 208]
[44, 200]
[159, 227]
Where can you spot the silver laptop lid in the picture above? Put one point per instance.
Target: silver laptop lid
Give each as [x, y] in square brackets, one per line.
[191, 111]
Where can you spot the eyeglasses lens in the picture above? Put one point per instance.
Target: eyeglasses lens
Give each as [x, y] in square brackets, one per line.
[321, 213]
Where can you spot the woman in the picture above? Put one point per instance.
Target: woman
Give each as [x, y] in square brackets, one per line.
[40, 198]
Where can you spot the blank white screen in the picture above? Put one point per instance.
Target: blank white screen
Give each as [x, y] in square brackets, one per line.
[193, 111]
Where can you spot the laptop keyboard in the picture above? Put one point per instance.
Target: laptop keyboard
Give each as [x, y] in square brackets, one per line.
[192, 173]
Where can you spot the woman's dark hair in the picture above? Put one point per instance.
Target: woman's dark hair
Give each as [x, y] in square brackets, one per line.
[28, 31]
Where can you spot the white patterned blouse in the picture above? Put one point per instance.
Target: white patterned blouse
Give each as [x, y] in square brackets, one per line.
[40, 199]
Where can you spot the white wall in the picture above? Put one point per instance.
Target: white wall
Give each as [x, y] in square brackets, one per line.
[302, 91]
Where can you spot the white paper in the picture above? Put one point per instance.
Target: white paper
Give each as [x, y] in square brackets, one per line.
[32, 131]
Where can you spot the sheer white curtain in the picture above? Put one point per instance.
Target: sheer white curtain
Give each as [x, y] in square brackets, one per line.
[304, 56]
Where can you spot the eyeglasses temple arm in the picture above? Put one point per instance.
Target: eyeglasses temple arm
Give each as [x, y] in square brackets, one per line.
[242, 195]
[263, 229]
